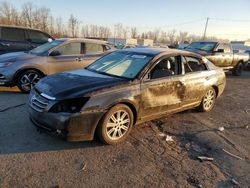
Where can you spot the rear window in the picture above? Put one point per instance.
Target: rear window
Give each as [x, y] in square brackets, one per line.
[13, 34]
[192, 64]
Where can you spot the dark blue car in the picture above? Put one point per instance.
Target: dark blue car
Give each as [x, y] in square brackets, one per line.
[15, 39]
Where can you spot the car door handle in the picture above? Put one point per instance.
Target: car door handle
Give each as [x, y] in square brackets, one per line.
[4, 44]
[207, 78]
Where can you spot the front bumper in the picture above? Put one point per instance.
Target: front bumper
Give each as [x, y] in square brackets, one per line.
[72, 127]
[6, 77]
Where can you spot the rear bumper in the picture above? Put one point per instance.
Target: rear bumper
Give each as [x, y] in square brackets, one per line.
[72, 127]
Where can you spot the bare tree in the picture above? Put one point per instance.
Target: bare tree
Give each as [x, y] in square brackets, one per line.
[73, 25]
[8, 14]
[134, 32]
[183, 36]
[171, 36]
[27, 14]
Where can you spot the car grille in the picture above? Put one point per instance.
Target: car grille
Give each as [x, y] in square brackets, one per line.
[38, 103]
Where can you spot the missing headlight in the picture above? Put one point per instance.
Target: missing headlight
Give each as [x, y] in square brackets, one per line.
[69, 105]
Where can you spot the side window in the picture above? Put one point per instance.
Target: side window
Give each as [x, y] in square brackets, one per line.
[37, 37]
[227, 48]
[187, 68]
[13, 34]
[73, 48]
[166, 67]
[92, 48]
[220, 48]
[192, 64]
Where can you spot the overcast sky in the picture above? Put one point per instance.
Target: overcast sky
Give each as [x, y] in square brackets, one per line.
[229, 18]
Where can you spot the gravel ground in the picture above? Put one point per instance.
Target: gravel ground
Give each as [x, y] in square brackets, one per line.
[146, 159]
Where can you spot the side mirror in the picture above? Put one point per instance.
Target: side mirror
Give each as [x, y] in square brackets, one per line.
[55, 53]
[50, 39]
[220, 50]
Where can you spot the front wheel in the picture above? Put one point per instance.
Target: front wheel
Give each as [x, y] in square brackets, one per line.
[27, 80]
[238, 69]
[208, 101]
[116, 125]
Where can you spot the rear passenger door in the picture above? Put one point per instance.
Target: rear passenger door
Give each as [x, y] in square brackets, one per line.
[92, 52]
[13, 40]
[196, 78]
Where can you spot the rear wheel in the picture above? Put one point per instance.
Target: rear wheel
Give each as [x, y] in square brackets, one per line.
[116, 125]
[27, 80]
[238, 69]
[208, 100]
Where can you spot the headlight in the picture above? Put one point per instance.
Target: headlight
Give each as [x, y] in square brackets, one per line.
[6, 64]
[69, 105]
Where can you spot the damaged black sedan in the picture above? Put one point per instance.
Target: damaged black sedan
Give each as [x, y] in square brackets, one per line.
[123, 89]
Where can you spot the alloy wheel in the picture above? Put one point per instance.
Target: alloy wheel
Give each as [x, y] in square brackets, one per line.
[209, 99]
[29, 80]
[118, 125]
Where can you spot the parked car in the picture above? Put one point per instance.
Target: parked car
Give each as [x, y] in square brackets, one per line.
[221, 54]
[248, 52]
[122, 89]
[14, 39]
[25, 69]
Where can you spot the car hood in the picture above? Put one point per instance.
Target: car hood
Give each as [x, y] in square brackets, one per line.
[76, 83]
[15, 56]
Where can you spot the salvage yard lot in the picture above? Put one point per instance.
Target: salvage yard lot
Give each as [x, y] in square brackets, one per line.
[31, 159]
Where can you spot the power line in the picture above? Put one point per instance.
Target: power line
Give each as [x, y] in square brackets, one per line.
[230, 20]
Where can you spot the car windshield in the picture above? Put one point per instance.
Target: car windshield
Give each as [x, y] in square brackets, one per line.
[205, 46]
[122, 64]
[45, 47]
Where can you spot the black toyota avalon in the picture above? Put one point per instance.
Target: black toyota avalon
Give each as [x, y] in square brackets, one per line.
[121, 90]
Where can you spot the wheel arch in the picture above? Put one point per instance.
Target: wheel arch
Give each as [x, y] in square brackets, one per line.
[19, 72]
[216, 90]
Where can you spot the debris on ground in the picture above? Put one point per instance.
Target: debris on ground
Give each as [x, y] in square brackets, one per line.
[221, 129]
[57, 186]
[194, 181]
[232, 155]
[247, 111]
[169, 138]
[83, 166]
[203, 158]
[235, 182]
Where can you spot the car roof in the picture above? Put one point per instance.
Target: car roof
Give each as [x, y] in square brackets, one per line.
[83, 40]
[20, 27]
[156, 51]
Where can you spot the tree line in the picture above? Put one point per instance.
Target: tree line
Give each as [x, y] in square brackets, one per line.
[41, 18]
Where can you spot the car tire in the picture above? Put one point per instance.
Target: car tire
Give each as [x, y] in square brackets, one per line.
[27, 79]
[238, 69]
[208, 100]
[116, 125]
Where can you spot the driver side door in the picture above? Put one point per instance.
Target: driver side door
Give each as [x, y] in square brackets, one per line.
[164, 92]
[70, 57]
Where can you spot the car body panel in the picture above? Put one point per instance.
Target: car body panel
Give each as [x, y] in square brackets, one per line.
[8, 46]
[147, 98]
[226, 59]
[45, 63]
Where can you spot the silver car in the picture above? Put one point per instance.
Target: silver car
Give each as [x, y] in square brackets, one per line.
[24, 69]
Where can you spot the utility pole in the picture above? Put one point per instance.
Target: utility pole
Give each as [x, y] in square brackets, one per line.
[204, 36]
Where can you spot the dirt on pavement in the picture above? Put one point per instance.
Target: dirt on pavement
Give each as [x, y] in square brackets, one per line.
[146, 159]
